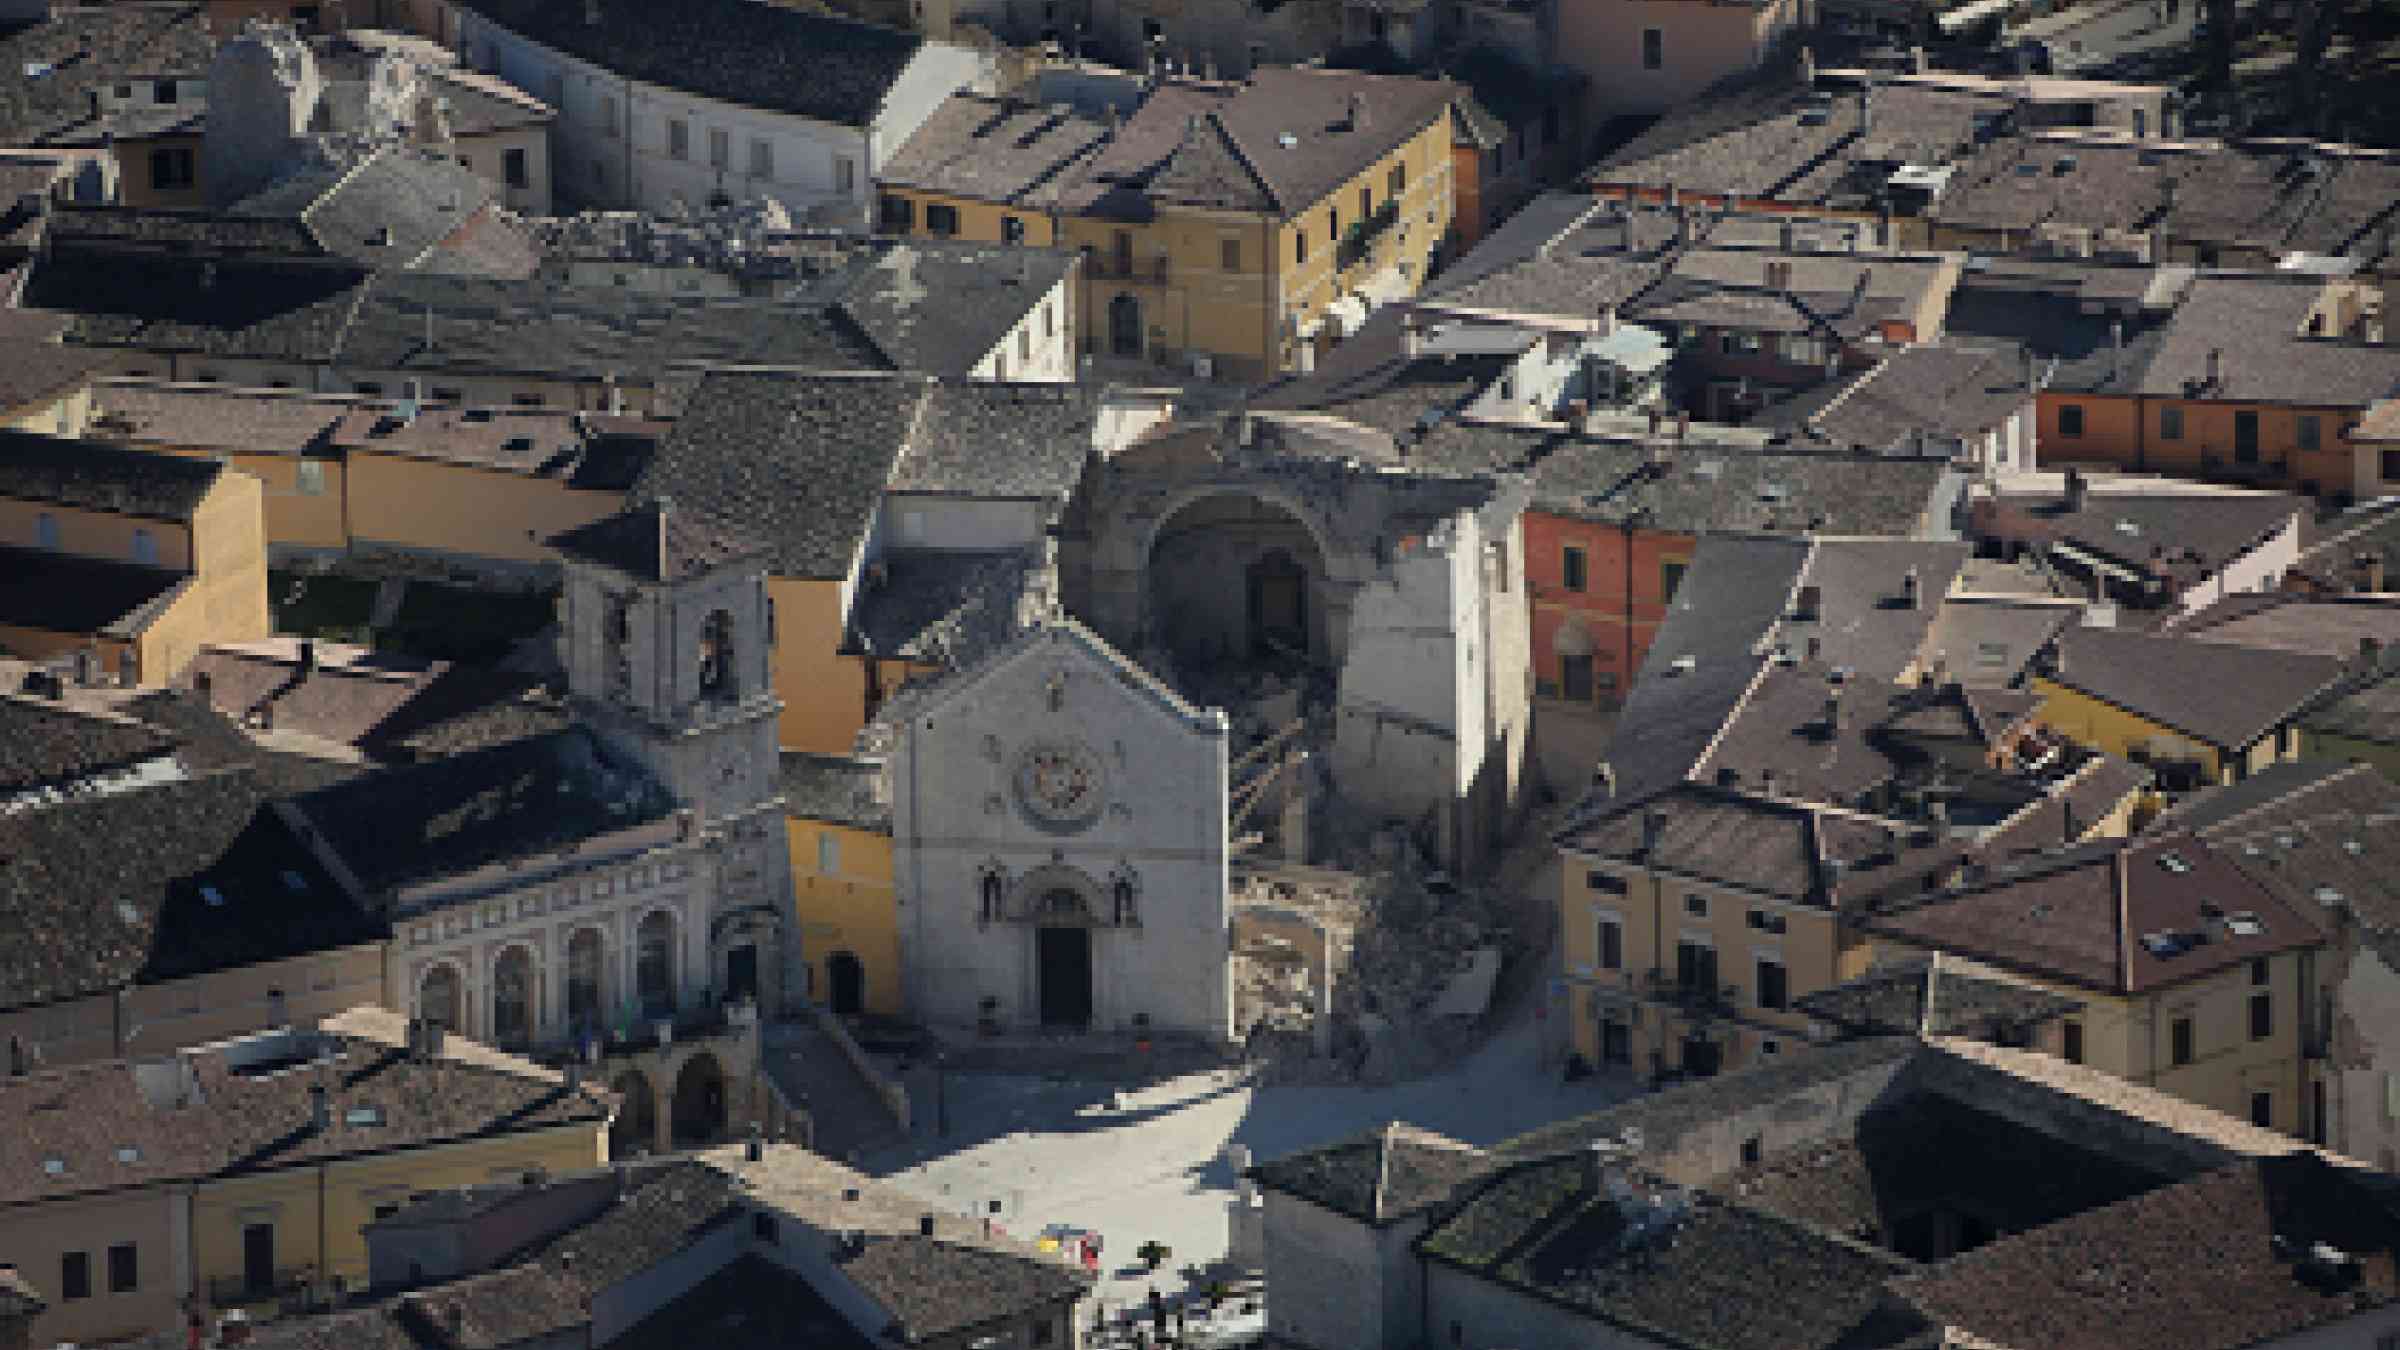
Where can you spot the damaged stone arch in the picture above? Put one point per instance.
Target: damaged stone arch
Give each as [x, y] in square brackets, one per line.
[1243, 572]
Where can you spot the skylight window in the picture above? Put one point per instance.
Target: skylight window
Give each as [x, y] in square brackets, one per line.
[2243, 923]
[2175, 863]
[56, 1167]
[295, 883]
[214, 897]
[363, 1116]
[129, 1154]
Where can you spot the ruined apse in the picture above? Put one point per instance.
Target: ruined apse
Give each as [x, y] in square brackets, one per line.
[1227, 542]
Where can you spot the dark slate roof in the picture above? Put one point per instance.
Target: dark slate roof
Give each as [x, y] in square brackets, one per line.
[983, 439]
[654, 542]
[401, 826]
[803, 62]
[1735, 592]
[390, 211]
[269, 309]
[837, 789]
[750, 1304]
[2212, 807]
[1380, 1176]
[2079, 350]
[1664, 1119]
[1370, 381]
[2115, 916]
[2335, 626]
[243, 1122]
[2257, 326]
[2215, 693]
[2370, 712]
[67, 593]
[205, 741]
[2016, 183]
[44, 745]
[2278, 198]
[1236, 156]
[1707, 488]
[33, 371]
[2214, 1263]
[2372, 529]
[938, 1289]
[2181, 535]
[1701, 1273]
[91, 477]
[2329, 844]
[995, 150]
[939, 308]
[1940, 390]
[799, 461]
[103, 891]
[81, 51]
[1893, 1000]
[944, 608]
[1527, 234]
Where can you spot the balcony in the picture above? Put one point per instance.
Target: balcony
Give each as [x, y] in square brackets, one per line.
[1360, 241]
[1153, 271]
[1697, 1000]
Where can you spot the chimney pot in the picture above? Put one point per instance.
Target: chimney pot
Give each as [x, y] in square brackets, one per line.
[1654, 828]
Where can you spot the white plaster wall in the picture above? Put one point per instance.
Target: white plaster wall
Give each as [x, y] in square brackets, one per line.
[2367, 1002]
[1041, 347]
[1326, 1274]
[2261, 569]
[1415, 659]
[956, 811]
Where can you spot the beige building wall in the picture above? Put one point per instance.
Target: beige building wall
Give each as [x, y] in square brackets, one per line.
[486, 156]
[1700, 43]
[95, 534]
[461, 508]
[1306, 285]
[65, 416]
[154, 1019]
[305, 508]
[40, 1237]
[824, 693]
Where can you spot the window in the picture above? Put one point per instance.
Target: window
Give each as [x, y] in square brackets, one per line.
[2258, 970]
[164, 92]
[1396, 182]
[2180, 1050]
[172, 169]
[1654, 49]
[2262, 1016]
[941, 219]
[1299, 247]
[899, 214]
[2262, 1110]
[2390, 471]
[720, 148]
[1025, 345]
[609, 125]
[845, 174]
[829, 853]
[679, 139]
[1605, 883]
[2070, 419]
[1696, 906]
[2310, 435]
[1670, 578]
[1695, 965]
[45, 530]
[1045, 1332]
[312, 478]
[514, 170]
[386, 1210]
[1229, 254]
[1366, 202]
[1575, 678]
[1773, 988]
[762, 157]
[762, 1226]
[124, 92]
[145, 547]
[75, 1275]
[124, 1269]
[2170, 423]
[1049, 320]
[1576, 567]
[1766, 921]
[1611, 944]
[1000, 366]
[1012, 229]
[2070, 1042]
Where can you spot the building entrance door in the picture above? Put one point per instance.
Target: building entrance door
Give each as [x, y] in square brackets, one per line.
[1064, 960]
[741, 972]
[1125, 326]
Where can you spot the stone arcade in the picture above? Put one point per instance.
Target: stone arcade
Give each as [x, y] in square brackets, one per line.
[1060, 847]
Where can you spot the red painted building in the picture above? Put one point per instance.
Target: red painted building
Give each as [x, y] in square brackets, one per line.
[1599, 592]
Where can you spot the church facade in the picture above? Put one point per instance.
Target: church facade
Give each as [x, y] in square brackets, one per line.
[1059, 845]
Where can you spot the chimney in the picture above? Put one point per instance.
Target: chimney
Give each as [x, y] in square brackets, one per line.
[2116, 349]
[1807, 603]
[1766, 782]
[2370, 573]
[1358, 110]
[754, 1148]
[1654, 828]
[925, 1225]
[1911, 589]
[2216, 367]
[320, 1115]
[1866, 109]
[1917, 63]
[1683, 427]
[1788, 234]
[1937, 810]
[2075, 491]
[1833, 711]
[1808, 67]
[1779, 271]
[308, 656]
[1816, 647]
[1412, 338]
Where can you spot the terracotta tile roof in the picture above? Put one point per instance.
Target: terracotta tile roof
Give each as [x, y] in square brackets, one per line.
[1900, 998]
[2226, 1260]
[995, 150]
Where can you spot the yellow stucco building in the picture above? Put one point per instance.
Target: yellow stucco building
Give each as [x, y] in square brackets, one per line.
[240, 1174]
[1236, 224]
[2133, 695]
[135, 559]
[842, 894]
[2194, 978]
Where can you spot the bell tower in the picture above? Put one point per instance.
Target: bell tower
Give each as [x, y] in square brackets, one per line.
[663, 633]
